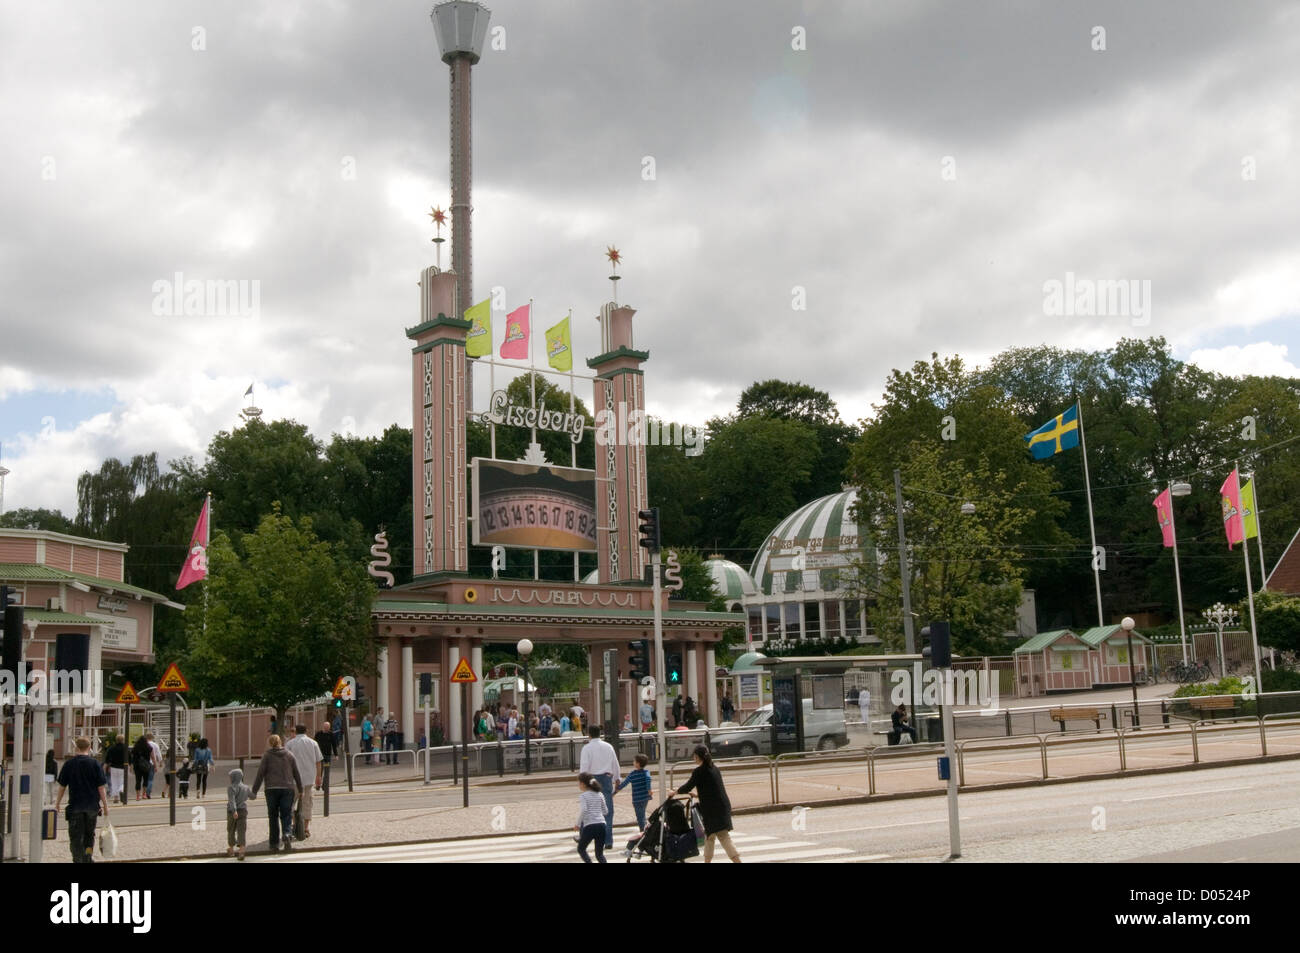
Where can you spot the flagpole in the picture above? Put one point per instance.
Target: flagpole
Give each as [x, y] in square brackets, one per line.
[1259, 532]
[532, 399]
[1178, 580]
[492, 389]
[1250, 589]
[1092, 528]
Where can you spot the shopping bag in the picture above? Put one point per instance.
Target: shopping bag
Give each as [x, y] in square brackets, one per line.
[108, 841]
[697, 822]
[299, 829]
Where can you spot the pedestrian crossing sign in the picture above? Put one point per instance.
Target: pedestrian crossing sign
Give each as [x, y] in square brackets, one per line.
[128, 695]
[173, 680]
[463, 672]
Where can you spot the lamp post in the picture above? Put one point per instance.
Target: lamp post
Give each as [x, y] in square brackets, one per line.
[1127, 625]
[525, 649]
[1220, 615]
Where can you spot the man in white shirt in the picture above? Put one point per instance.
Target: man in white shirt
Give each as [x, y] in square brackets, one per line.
[307, 755]
[155, 762]
[601, 761]
[864, 705]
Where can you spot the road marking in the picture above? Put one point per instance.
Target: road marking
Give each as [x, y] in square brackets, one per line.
[852, 860]
[1160, 797]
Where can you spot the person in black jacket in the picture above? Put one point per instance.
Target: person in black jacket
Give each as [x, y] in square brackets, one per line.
[715, 806]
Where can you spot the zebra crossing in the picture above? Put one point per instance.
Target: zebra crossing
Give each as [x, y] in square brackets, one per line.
[553, 848]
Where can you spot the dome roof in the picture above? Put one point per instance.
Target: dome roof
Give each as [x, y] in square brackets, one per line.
[732, 581]
[746, 663]
[828, 536]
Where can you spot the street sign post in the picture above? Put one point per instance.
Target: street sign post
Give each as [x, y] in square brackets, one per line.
[170, 685]
[464, 675]
[126, 697]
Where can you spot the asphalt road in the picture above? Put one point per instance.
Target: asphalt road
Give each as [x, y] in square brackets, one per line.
[1231, 814]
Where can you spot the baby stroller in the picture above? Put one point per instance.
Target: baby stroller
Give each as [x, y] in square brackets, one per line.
[669, 837]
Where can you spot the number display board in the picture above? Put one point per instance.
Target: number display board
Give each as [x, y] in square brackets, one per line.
[533, 507]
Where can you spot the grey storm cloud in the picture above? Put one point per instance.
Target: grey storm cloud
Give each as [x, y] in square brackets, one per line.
[777, 172]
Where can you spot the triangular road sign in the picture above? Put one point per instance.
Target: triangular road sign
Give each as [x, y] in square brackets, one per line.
[345, 688]
[128, 695]
[463, 672]
[173, 680]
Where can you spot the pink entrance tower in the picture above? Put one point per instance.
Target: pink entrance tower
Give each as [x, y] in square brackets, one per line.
[619, 392]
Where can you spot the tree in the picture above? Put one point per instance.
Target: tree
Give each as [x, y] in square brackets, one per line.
[286, 616]
[953, 440]
[1277, 617]
[52, 520]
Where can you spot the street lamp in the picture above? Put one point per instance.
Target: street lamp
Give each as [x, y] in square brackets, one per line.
[525, 649]
[1127, 625]
[1220, 615]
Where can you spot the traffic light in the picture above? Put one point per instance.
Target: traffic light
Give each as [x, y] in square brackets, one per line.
[361, 693]
[940, 645]
[13, 630]
[639, 660]
[674, 673]
[649, 529]
[338, 703]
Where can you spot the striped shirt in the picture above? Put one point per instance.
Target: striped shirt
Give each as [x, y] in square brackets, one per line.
[591, 808]
[640, 781]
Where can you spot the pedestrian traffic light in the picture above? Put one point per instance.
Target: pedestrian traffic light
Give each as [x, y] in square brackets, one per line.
[674, 673]
[361, 693]
[649, 529]
[338, 703]
[12, 614]
[639, 660]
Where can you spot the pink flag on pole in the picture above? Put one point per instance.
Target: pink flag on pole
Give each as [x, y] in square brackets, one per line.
[1230, 494]
[516, 343]
[1165, 515]
[196, 562]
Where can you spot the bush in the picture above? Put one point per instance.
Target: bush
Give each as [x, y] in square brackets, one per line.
[1282, 680]
[1225, 686]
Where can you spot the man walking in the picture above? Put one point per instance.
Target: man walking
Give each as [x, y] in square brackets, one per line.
[155, 762]
[325, 739]
[309, 761]
[280, 772]
[84, 777]
[115, 762]
[728, 707]
[647, 714]
[601, 761]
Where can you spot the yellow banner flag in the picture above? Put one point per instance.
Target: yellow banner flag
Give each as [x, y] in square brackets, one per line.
[559, 347]
[479, 341]
[1248, 509]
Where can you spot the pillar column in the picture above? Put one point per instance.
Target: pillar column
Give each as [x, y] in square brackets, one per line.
[693, 675]
[381, 682]
[454, 704]
[476, 660]
[803, 619]
[844, 631]
[408, 694]
[712, 715]
[821, 619]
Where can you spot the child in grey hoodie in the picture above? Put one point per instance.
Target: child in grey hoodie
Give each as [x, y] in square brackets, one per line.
[236, 812]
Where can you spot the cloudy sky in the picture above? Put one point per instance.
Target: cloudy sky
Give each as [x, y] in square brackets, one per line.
[814, 191]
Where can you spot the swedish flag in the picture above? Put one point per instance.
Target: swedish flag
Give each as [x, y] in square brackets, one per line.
[1059, 433]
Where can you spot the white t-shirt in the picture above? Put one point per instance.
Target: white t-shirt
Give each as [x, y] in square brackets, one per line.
[864, 701]
[598, 757]
[156, 753]
[306, 753]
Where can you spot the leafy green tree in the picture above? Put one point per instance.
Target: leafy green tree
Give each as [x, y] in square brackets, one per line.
[286, 616]
[1277, 617]
[52, 520]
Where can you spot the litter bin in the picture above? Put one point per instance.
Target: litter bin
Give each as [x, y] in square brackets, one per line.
[933, 729]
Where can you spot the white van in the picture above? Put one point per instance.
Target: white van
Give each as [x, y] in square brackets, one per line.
[823, 729]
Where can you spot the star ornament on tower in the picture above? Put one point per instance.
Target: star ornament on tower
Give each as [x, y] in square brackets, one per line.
[615, 259]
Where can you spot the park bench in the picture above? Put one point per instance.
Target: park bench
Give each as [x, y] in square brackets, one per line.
[1213, 703]
[1063, 715]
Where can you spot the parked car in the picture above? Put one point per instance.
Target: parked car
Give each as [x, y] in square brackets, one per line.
[823, 728]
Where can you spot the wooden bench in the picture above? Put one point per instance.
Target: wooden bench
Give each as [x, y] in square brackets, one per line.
[1063, 715]
[1213, 703]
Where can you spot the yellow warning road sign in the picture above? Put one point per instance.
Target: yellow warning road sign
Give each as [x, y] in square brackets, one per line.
[128, 695]
[173, 680]
[345, 688]
[463, 672]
